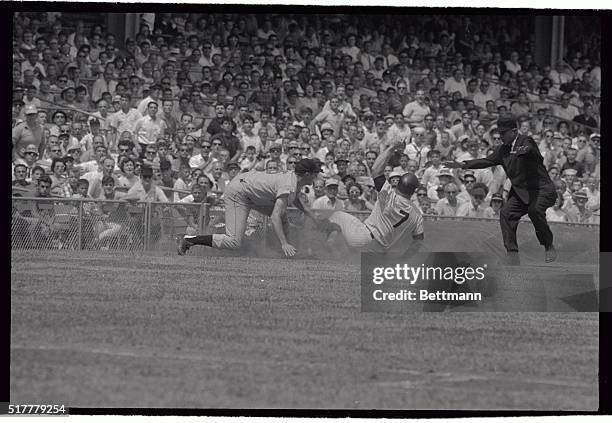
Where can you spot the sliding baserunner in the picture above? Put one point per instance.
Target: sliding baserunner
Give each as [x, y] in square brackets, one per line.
[393, 217]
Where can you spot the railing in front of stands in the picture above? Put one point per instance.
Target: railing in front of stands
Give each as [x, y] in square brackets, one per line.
[85, 224]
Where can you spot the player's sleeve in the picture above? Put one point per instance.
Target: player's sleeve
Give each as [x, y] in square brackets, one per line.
[418, 233]
[286, 187]
[493, 159]
[379, 182]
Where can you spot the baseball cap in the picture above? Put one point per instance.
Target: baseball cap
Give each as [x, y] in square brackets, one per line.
[463, 138]
[73, 145]
[497, 197]
[365, 180]
[581, 194]
[505, 124]
[232, 165]
[30, 109]
[569, 172]
[146, 171]
[116, 99]
[444, 171]
[468, 173]
[331, 182]
[327, 127]
[31, 148]
[595, 135]
[394, 174]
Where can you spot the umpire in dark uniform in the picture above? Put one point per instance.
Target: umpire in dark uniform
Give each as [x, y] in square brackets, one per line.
[532, 190]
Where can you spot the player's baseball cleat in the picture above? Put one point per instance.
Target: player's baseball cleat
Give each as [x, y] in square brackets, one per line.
[183, 246]
[551, 254]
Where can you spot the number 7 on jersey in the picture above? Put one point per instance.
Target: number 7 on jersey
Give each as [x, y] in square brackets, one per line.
[403, 219]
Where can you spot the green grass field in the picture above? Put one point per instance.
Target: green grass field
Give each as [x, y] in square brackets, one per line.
[120, 329]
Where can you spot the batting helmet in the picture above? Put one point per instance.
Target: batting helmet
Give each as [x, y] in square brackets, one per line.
[407, 184]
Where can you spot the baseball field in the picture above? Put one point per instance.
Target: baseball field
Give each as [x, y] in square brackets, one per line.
[150, 329]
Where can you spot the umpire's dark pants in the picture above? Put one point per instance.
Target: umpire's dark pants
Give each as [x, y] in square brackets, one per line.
[515, 208]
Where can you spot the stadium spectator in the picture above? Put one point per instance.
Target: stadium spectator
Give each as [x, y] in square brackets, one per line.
[330, 200]
[570, 162]
[145, 190]
[423, 202]
[475, 207]
[415, 111]
[354, 201]
[149, 127]
[28, 133]
[448, 205]
[578, 211]
[495, 205]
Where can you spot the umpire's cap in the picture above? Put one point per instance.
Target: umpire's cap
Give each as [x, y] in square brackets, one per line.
[505, 124]
[308, 166]
[407, 184]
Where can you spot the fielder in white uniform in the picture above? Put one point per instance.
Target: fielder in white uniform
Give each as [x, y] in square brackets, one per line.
[267, 193]
[394, 215]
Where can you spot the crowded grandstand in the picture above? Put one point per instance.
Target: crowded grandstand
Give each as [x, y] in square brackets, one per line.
[173, 113]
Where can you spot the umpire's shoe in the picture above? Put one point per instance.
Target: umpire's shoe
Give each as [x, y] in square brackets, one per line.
[183, 246]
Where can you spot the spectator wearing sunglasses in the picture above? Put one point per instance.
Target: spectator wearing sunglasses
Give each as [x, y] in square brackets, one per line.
[423, 202]
[204, 158]
[27, 157]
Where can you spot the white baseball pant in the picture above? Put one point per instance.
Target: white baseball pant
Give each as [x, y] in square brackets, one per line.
[356, 233]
